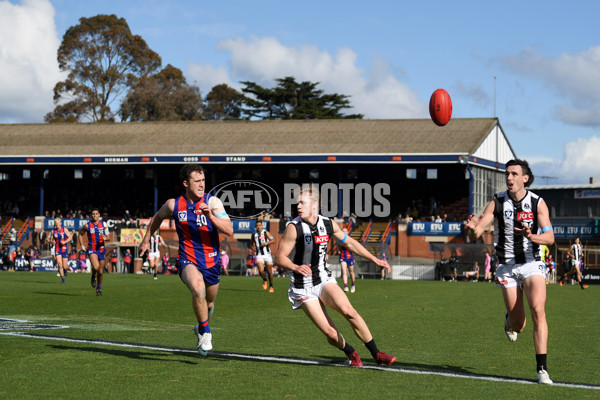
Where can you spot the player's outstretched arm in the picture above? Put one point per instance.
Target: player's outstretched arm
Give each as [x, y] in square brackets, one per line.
[476, 225]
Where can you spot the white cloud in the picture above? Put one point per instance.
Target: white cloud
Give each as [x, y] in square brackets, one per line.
[576, 78]
[376, 93]
[206, 76]
[581, 157]
[579, 164]
[28, 66]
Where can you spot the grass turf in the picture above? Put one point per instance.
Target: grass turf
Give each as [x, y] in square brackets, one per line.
[442, 326]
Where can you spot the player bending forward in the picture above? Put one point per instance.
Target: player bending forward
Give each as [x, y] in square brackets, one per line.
[312, 287]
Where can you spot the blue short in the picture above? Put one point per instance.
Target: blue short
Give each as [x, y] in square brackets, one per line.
[99, 253]
[348, 261]
[211, 275]
[63, 254]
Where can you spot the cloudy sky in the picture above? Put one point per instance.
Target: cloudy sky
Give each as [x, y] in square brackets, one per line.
[389, 56]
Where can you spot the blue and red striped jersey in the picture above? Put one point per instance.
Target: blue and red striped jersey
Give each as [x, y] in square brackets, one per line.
[95, 234]
[59, 234]
[345, 254]
[198, 237]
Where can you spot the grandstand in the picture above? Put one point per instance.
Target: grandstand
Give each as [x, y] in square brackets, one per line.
[134, 166]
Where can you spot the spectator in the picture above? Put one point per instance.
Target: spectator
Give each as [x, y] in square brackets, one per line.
[114, 258]
[474, 272]
[224, 262]
[453, 267]
[488, 267]
[165, 264]
[127, 261]
[82, 260]
[13, 236]
[127, 220]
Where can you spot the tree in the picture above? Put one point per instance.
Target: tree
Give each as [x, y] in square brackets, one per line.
[293, 100]
[103, 59]
[223, 102]
[164, 96]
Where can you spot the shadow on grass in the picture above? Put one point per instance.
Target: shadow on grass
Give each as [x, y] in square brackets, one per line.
[133, 354]
[59, 294]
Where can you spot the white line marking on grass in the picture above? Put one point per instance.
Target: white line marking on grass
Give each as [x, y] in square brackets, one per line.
[303, 361]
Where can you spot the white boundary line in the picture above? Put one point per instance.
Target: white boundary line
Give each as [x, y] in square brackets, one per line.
[303, 361]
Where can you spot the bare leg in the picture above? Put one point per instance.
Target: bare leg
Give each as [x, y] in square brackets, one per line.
[535, 291]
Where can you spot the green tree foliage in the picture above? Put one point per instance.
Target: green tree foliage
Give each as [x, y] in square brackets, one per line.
[103, 59]
[165, 96]
[223, 102]
[293, 100]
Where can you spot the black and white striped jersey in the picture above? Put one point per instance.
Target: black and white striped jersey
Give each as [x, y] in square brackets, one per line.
[259, 239]
[577, 251]
[155, 241]
[311, 249]
[510, 245]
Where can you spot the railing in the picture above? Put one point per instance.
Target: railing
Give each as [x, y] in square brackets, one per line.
[386, 234]
[367, 233]
[24, 231]
[6, 230]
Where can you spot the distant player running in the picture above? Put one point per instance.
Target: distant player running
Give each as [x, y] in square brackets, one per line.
[260, 241]
[312, 287]
[61, 237]
[199, 217]
[576, 258]
[154, 252]
[97, 234]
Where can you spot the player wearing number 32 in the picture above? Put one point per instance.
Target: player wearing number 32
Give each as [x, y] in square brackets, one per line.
[199, 217]
[522, 226]
[312, 287]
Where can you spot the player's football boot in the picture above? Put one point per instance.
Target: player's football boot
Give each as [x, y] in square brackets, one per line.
[544, 378]
[204, 342]
[271, 290]
[385, 359]
[354, 359]
[352, 289]
[98, 292]
[584, 287]
[510, 334]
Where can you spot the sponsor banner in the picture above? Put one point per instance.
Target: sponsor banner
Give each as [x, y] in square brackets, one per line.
[72, 224]
[587, 193]
[44, 265]
[247, 225]
[75, 224]
[435, 228]
[21, 264]
[132, 237]
[570, 231]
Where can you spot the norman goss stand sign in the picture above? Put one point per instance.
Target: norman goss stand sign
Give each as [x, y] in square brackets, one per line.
[435, 228]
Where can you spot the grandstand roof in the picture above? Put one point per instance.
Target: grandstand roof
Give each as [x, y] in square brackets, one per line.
[38, 142]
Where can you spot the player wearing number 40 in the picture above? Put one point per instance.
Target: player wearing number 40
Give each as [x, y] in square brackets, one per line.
[199, 217]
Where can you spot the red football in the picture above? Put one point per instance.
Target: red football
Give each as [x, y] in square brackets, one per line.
[440, 107]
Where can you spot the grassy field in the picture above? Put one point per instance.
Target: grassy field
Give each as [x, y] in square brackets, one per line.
[434, 327]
